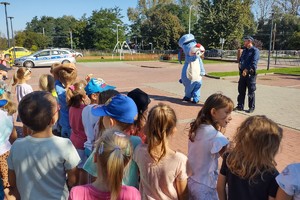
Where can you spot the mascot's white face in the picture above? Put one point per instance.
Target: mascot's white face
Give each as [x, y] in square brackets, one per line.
[197, 50]
[189, 45]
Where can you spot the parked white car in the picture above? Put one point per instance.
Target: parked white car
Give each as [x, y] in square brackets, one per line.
[77, 54]
[46, 57]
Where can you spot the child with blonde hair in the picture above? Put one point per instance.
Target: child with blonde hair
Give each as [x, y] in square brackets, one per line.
[76, 99]
[113, 153]
[10, 107]
[249, 167]
[20, 79]
[118, 112]
[206, 145]
[163, 171]
[46, 83]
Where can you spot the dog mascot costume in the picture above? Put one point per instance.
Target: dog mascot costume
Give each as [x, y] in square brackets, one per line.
[193, 70]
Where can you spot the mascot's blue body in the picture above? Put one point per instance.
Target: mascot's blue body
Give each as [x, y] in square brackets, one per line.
[193, 70]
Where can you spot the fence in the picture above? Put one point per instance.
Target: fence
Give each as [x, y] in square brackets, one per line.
[277, 57]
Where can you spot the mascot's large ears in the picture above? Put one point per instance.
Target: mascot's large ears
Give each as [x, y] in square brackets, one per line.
[185, 39]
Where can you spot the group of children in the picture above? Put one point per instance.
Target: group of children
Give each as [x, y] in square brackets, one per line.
[109, 145]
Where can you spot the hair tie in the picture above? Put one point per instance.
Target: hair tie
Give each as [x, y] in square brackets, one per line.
[119, 134]
[101, 148]
[117, 148]
[71, 87]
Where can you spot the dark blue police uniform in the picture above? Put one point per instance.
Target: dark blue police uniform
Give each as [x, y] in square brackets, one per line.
[248, 60]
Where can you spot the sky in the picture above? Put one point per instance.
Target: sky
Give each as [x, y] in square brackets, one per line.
[24, 10]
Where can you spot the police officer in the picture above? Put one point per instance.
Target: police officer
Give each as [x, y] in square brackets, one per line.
[247, 68]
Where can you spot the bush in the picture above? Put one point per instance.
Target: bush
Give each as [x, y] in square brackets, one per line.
[166, 57]
[34, 48]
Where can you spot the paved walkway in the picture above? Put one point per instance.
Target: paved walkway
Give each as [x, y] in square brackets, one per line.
[160, 81]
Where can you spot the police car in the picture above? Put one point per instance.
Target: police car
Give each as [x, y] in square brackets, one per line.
[45, 57]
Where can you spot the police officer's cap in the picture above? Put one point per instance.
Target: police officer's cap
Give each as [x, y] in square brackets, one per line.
[249, 38]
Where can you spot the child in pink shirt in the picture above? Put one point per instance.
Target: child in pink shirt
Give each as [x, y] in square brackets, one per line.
[163, 171]
[113, 153]
[76, 98]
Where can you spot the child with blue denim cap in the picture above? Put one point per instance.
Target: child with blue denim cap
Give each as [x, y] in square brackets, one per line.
[92, 90]
[118, 112]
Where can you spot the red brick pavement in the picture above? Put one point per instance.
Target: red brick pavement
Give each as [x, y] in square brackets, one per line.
[127, 77]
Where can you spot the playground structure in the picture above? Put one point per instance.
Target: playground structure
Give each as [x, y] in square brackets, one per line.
[122, 48]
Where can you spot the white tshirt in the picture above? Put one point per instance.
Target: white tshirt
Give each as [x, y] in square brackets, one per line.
[40, 165]
[6, 127]
[203, 154]
[22, 89]
[289, 180]
[89, 121]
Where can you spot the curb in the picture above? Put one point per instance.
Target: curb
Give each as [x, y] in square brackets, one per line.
[210, 76]
[149, 66]
[264, 74]
[287, 74]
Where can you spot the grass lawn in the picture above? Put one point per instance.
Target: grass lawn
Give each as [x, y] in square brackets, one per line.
[204, 61]
[288, 71]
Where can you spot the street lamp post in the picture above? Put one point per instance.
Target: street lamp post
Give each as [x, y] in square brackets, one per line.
[190, 12]
[270, 45]
[12, 36]
[71, 39]
[117, 33]
[5, 4]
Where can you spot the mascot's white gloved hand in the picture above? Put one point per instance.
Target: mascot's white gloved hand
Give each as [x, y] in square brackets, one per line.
[197, 50]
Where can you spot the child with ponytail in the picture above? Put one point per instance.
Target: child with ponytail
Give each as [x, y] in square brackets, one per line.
[163, 171]
[22, 88]
[113, 153]
[76, 99]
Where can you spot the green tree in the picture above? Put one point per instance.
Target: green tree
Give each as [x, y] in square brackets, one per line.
[294, 41]
[101, 30]
[31, 40]
[78, 31]
[142, 16]
[63, 26]
[287, 27]
[228, 19]
[3, 41]
[162, 29]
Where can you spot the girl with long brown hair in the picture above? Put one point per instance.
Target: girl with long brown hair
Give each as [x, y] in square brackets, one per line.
[207, 143]
[249, 167]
